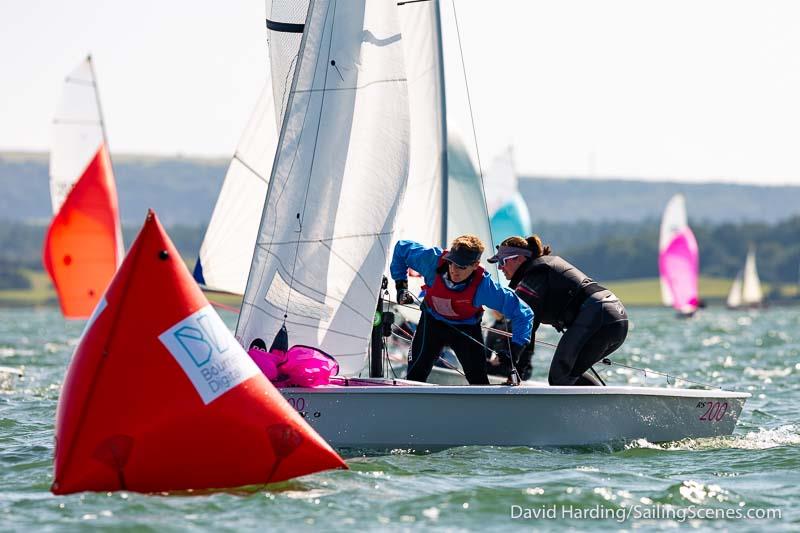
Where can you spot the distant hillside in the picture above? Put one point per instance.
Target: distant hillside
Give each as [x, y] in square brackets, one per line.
[565, 200]
[183, 191]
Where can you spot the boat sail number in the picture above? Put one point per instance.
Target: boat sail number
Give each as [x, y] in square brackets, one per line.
[299, 405]
[712, 411]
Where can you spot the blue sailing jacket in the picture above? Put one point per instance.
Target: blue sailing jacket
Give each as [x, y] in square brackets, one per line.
[490, 294]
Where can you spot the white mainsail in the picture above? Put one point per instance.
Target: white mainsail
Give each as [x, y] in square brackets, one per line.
[227, 248]
[78, 131]
[338, 178]
[422, 215]
[285, 19]
[444, 197]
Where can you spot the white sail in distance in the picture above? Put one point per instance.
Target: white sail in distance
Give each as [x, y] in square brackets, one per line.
[735, 294]
[338, 178]
[746, 289]
[751, 284]
[501, 181]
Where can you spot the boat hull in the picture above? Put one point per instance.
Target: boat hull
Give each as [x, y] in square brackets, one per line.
[432, 417]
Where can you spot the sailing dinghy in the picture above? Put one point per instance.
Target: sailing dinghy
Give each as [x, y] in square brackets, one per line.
[678, 259]
[746, 289]
[83, 245]
[338, 178]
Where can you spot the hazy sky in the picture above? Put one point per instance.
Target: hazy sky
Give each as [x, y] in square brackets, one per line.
[694, 90]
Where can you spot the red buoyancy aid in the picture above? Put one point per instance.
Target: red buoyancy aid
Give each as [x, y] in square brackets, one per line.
[454, 305]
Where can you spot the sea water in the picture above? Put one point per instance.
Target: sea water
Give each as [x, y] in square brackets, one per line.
[749, 481]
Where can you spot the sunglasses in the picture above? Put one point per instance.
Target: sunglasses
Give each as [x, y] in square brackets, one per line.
[501, 262]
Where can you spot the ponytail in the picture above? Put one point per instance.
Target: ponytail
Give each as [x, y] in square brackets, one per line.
[532, 243]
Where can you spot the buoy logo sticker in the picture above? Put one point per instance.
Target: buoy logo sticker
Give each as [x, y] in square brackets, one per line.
[206, 350]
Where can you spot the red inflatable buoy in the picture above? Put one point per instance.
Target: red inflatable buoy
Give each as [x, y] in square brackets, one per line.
[159, 395]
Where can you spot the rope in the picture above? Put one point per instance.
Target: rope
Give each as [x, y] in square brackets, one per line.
[226, 307]
[441, 360]
[606, 361]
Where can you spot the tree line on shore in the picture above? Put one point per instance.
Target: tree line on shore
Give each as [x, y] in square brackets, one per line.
[606, 250]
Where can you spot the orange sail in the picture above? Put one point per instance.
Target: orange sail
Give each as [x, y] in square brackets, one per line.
[160, 396]
[83, 246]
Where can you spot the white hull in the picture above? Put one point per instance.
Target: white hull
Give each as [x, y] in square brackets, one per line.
[427, 417]
[445, 376]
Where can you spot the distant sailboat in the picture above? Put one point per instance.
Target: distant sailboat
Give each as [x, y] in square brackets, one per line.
[746, 289]
[678, 259]
[507, 209]
[83, 246]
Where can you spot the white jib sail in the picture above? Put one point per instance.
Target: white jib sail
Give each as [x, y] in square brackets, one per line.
[338, 178]
[227, 248]
[673, 221]
[77, 132]
[751, 284]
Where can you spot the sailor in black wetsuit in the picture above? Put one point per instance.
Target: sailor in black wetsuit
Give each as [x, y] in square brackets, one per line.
[593, 320]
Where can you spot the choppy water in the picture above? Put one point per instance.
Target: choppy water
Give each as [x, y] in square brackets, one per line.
[752, 473]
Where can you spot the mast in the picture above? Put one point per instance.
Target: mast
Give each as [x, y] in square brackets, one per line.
[99, 107]
[443, 103]
[121, 246]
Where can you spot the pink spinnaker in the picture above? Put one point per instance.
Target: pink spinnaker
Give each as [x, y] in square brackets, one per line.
[679, 265]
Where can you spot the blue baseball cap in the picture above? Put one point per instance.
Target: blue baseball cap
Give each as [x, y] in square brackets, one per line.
[462, 257]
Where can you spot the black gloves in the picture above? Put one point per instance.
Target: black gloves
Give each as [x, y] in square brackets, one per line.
[522, 360]
[516, 351]
[403, 296]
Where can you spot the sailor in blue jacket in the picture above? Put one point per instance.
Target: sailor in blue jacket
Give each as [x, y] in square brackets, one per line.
[456, 289]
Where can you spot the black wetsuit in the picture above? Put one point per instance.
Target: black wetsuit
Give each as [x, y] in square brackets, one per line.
[593, 320]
